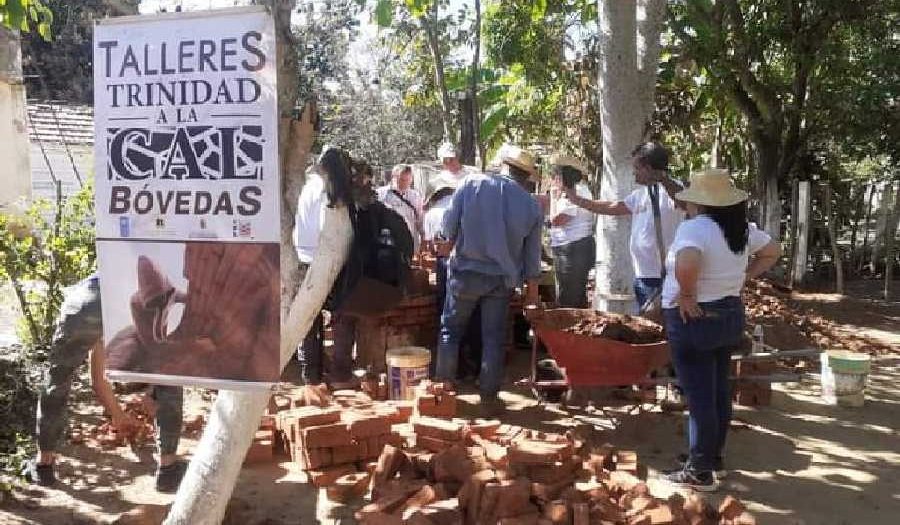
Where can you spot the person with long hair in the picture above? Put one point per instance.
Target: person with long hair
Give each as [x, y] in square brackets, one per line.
[571, 232]
[713, 254]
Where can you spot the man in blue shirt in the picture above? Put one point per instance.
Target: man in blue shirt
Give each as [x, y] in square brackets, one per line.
[495, 227]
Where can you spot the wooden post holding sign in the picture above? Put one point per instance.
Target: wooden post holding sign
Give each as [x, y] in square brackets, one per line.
[188, 197]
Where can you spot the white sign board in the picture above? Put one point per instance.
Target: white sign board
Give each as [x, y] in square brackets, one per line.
[188, 196]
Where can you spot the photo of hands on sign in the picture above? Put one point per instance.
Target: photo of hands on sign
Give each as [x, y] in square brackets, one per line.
[228, 327]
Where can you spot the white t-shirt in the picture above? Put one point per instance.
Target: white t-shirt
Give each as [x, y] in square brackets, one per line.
[453, 179]
[722, 272]
[434, 218]
[580, 226]
[308, 220]
[411, 214]
[644, 253]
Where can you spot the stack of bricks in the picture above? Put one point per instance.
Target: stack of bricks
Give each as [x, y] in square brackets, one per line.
[434, 400]
[262, 448]
[750, 392]
[535, 479]
[324, 437]
[414, 322]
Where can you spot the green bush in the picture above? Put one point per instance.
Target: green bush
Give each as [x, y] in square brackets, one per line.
[42, 251]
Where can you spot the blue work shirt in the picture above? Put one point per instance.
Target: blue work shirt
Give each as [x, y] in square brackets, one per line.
[496, 226]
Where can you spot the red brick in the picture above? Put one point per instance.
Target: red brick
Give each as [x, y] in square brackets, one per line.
[404, 410]
[420, 498]
[731, 508]
[485, 428]
[390, 462]
[357, 451]
[327, 476]
[534, 452]
[313, 458]
[470, 495]
[452, 464]
[661, 515]
[268, 422]
[374, 517]
[434, 444]
[394, 496]
[627, 461]
[437, 428]
[443, 512]
[333, 435]
[530, 518]
[745, 518]
[348, 487]
[504, 499]
[363, 426]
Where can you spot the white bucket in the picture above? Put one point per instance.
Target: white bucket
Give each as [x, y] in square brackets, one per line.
[407, 366]
[844, 377]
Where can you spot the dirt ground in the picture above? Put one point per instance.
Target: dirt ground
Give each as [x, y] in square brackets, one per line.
[795, 462]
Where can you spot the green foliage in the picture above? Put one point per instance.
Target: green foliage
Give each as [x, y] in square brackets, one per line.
[48, 248]
[25, 15]
[61, 69]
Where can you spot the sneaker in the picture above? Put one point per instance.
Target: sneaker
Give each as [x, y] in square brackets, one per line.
[699, 481]
[719, 470]
[37, 474]
[169, 477]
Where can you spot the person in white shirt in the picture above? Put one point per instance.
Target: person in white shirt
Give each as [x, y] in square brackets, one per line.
[651, 162]
[571, 232]
[454, 171]
[334, 164]
[401, 197]
[713, 254]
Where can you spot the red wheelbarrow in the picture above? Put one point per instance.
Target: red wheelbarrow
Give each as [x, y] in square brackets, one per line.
[590, 361]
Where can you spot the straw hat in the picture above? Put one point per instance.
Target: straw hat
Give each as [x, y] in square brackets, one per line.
[567, 160]
[441, 189]
[712, 187]
[518, 157]
[446, 151]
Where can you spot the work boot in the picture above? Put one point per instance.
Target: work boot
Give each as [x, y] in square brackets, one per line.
[35, 473]
[168, 478]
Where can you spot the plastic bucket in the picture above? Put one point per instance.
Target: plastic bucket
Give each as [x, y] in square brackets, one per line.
[407, 366]
[844, 376]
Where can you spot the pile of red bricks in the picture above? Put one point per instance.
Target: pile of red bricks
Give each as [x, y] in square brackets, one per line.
[750, 392]
[501, 474]
[435, 400]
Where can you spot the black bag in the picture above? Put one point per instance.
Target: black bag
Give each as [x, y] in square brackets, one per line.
[375, 275]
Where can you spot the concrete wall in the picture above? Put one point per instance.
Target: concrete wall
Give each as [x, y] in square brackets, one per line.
[15, 168]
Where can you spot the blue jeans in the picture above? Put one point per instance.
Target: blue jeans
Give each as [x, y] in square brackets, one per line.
[701, 353]
[465, 291]
[470, 345]
[644, 288]
[572, 263]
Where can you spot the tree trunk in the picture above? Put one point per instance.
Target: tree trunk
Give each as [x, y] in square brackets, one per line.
[856, 202]
[882, 224]
[795, 229]
[431, 37]
[861, 259]
[207, 486]
[13, 119]
[889, 245]
[832, 239]
[466, 129]
[767, 159]
[801, 252]
[626, 80]
[473, 86]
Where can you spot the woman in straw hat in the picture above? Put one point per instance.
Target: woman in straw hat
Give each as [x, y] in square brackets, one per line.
[712, 255]
[571, 233]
